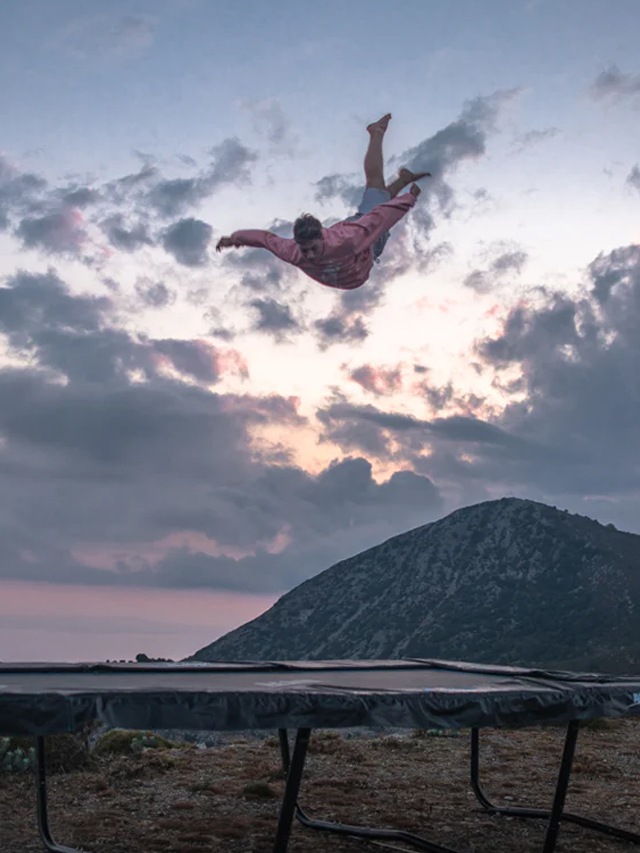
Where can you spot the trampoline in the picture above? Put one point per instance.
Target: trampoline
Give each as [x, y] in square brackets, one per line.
[44, 699]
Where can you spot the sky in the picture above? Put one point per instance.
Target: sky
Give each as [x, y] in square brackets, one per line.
[185, 435]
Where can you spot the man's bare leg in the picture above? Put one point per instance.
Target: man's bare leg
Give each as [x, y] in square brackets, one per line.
[405, 177]
[373, 162]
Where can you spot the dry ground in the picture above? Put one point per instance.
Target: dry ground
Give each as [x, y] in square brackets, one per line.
[202, 801]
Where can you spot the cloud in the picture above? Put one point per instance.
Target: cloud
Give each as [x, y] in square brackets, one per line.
[505, 263]
[128, 212]
[339, 328]
[461, 140]
[188, 241]
[633, 178]
[191, 358]
[346, 322]
[231, 163]
[614, 84]
[568, 432]
[149, 192]
[124, 237]
[269, 120]
[122, 464]
[533, 137]
[341, 187]
[274, 319]
[379, 381]
[369, 429]
[154, 294]
[60, 232]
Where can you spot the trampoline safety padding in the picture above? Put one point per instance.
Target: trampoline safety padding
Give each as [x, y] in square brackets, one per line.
[44, 699]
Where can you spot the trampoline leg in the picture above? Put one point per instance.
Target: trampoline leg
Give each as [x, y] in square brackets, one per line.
[341, 828]
[41, 792]
[564, 775]
[294, 766]
[567, 817]
[285, 752]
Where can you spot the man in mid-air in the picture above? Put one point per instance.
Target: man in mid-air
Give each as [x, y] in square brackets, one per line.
[343, 255]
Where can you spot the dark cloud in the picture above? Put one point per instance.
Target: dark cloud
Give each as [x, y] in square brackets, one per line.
[569, 365]
[118, 468]
[76, 336]
[80, 197]
[437, 396]
[33, 302]
[275, 319]
[20, 192]
[506, 263]
[633, 178]
[125, 237]
[346, 323]
[613, 83]
[509, 262]
[222, 332]
[231, 161]
[461, 140]
[55, 220]
[60, 232]
[380, 381]
[191, 358]
[120, 190]
[154, 294]
[452, 428]
[618, 269]
[173, 197]
[188, 241]
[339, 186]
[340, 328]
[148, 191]
[343, 506]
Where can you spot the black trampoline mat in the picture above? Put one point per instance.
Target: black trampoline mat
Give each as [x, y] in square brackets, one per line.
[43, 698]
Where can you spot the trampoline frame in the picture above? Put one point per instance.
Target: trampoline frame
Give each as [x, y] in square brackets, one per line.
[293, 763]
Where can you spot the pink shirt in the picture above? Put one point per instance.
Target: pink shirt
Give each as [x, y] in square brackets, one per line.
[347, 258]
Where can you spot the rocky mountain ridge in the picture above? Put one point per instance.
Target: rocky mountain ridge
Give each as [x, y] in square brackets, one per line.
[509, 581]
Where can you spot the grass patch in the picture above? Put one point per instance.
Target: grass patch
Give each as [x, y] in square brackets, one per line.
[261, 790]
[125, 742]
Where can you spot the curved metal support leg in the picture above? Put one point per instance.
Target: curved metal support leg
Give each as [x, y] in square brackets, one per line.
[288, 764]
[41, 791]
[511, 811]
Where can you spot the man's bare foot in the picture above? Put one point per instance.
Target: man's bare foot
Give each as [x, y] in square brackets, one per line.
[408, 177]
[379, 126]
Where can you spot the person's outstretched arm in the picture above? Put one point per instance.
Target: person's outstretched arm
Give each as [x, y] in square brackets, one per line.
[382, 218]
[281, 247]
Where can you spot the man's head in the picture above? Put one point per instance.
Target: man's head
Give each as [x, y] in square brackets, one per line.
[307, 232]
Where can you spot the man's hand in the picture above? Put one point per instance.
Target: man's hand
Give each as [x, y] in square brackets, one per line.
[415, 190]
[224, 243]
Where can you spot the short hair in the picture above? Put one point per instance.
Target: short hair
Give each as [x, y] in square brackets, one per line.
[307, 227]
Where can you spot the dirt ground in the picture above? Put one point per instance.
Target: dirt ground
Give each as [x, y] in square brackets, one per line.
[227, 798]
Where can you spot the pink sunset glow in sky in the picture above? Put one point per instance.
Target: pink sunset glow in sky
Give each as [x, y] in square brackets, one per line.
[49, 622]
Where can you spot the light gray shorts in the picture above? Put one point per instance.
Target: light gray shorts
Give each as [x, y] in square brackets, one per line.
[370, 199]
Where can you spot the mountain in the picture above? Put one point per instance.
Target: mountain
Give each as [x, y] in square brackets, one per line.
[506, 582]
